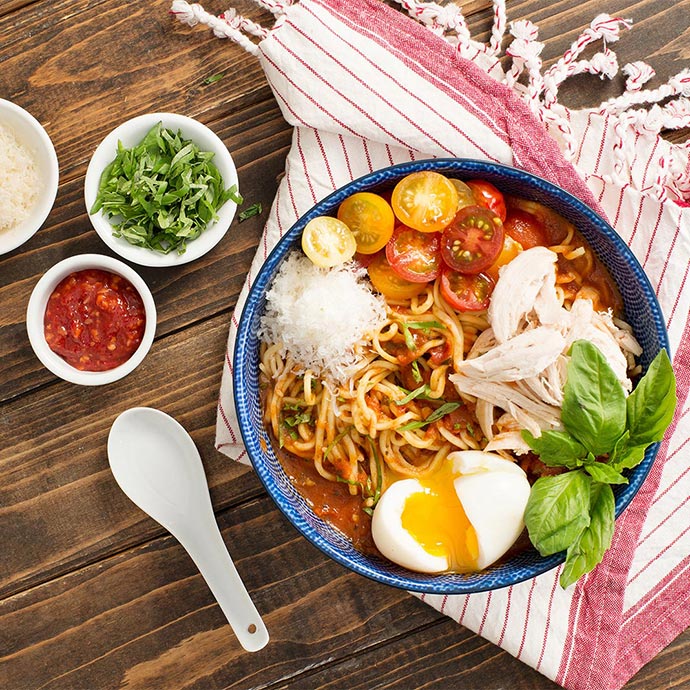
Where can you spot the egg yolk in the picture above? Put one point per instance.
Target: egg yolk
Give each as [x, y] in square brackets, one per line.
[437, 521]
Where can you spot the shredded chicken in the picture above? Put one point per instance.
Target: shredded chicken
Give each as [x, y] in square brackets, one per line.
[518, 365]
[515, 294]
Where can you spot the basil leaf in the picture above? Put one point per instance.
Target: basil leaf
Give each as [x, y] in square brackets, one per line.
[409, 340]
[589, 548]
[626, 456]
[422, 390]
[253, 210]
[557, 511]
[437, 414]
[424, 325]
[556, 448]
[594, 409]
[651, 405]
[161, 193]
[214, 78]
[603, 472]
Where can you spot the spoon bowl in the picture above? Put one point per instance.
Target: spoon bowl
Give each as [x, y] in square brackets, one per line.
[157, 465]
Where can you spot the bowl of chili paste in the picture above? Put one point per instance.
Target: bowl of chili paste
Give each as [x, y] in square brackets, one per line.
[91, 319]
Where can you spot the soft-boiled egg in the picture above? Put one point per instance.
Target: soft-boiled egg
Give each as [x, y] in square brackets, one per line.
[462, 518]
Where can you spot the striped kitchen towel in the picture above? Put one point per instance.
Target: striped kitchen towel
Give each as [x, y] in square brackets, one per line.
[366, 86]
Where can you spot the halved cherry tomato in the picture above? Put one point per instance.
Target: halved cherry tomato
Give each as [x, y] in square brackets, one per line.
[364, 259]
[466, 292]
[465, 194]
[487, 195]
[510, 250]
[425, 200]
[328, 241]
[388, 282]
[473, 241]
[370, 218]
[414, 255]
[525, 228]
[556, 227]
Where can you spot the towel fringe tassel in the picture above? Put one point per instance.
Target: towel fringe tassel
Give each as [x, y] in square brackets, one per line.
[638, 112]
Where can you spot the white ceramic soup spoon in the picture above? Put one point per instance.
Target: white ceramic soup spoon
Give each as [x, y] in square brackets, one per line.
[157, 465]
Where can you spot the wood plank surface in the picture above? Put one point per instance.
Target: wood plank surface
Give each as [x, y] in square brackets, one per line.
[94, 595]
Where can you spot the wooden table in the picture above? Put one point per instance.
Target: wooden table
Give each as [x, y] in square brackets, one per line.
[94, 594]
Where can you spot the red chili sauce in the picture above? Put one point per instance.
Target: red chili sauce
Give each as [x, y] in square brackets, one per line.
[94, 320]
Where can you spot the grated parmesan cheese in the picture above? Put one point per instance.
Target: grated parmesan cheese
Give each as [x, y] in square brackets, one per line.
[320, 316]
[19, 180]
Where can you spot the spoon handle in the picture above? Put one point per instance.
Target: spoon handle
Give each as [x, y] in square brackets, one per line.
[211, 556]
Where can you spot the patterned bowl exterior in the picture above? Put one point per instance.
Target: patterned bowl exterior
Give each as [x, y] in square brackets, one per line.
[641, 310]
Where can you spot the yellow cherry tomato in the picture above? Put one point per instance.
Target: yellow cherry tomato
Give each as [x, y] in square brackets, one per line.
[370, 218]
[510, 250]
[426, 201]
[388, 282]
[465, 194]
[328, 241]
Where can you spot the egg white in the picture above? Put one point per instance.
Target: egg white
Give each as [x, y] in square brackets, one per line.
[493, 492]
[395, 542]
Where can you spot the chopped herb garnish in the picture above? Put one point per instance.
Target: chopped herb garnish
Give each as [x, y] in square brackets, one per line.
[214, 78]
[437, 414]
[409, 340]
[416, 374]
[249, 212]
[295, 420]
[336, 440]
[162, 193]
[416, 393]
[424, 325]
[379, 473]
[294, 406]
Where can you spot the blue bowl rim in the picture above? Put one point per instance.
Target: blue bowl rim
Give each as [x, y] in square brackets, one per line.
[466, 167]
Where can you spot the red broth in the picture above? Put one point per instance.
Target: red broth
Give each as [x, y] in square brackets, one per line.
[94, 320]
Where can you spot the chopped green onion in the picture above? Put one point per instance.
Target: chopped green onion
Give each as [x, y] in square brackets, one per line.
[416, 374]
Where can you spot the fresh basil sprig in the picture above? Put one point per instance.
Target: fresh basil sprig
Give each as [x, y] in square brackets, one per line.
[605, 434]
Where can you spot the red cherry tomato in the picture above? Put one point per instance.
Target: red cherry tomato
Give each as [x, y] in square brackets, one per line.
[364, 259]
[388, 282]
[466, 292]
[414, 255]
[525, 228]
[473, 241]
[487, 195]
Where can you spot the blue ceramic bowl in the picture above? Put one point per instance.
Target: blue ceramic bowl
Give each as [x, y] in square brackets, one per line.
[641, 310]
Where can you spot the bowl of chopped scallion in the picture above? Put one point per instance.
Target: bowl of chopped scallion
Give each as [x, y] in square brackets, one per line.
[161, 189]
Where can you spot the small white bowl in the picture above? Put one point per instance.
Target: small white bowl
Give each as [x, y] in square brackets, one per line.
[29, 132]
[130, 133]
[36, 309]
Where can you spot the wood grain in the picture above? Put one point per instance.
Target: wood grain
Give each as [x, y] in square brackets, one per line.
[94, 594]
